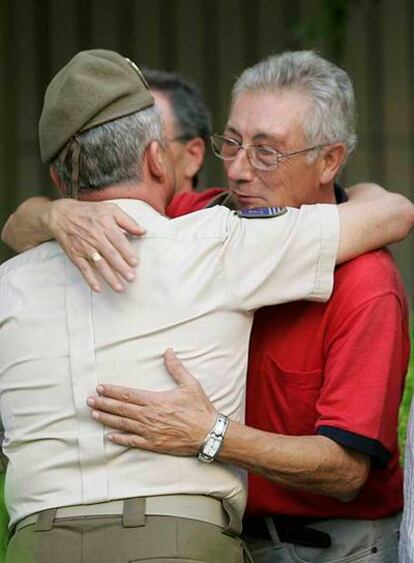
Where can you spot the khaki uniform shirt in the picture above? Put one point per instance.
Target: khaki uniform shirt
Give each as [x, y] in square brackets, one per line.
[199, 281]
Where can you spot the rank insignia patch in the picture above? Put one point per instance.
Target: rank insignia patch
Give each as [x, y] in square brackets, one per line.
[261, 212]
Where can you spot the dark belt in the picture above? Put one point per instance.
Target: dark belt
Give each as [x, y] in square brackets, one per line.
[289, 529]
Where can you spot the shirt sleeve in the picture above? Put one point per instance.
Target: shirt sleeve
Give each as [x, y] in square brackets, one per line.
[364, 378]
[281, 259]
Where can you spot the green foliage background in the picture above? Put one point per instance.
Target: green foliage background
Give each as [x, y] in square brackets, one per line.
[407, 398]
[3, 522]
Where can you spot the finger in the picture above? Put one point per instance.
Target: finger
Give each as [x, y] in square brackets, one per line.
[79, 252]
[87, 271]
[79, 257]
[118, 422]
[130, 441]
[176, 368]
[113, 406]
[127, 394]
[115, 263]
[123, 247]
[128, 224]
[109, 275]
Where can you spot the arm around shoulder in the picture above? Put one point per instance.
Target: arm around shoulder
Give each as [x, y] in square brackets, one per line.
[372, 218]
[27, 226]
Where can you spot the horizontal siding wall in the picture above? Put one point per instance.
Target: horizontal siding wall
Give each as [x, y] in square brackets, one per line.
[210, 42]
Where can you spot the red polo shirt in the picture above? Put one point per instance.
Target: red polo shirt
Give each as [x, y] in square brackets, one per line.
[335, 369]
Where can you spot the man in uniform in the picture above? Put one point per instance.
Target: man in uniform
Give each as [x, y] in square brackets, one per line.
[271, 155]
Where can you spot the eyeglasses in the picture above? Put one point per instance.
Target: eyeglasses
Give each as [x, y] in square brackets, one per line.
[261, 157]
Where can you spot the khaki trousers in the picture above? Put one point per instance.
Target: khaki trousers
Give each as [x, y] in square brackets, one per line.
[353, 541]
[106, 539]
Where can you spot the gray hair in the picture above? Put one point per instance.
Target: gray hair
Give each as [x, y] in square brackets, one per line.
[332, 117]
[112, 153]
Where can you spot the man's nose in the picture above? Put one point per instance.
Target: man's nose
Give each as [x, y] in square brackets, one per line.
[240, 168]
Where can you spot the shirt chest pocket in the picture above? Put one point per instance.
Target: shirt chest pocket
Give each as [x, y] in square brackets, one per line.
[294, 394]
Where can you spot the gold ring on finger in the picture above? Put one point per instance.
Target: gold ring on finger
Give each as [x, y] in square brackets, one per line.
[95, 257]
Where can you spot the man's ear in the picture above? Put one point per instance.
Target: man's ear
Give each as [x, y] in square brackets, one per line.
[156, 161]
[332, 160]
[195, 150]
[56, 179]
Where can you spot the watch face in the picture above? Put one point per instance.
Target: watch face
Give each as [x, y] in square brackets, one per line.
[212, 446]
[214, 440]
[210, 449]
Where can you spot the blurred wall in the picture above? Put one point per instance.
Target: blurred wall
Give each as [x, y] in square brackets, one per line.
[211, 42]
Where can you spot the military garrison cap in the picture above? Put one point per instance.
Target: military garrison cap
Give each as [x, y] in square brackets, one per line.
[95, 87]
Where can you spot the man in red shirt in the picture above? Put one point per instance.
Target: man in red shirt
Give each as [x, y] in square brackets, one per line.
[325, 381]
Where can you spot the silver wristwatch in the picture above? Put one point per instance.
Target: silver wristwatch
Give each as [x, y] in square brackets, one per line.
[214, 440]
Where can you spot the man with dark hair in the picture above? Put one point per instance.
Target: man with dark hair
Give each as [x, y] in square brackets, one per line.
[187, 123]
